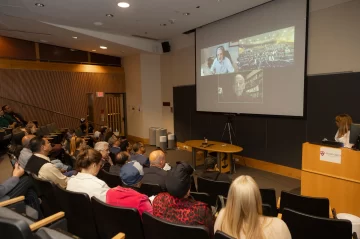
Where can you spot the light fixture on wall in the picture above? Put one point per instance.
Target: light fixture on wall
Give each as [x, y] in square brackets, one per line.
[123, 4]
[74, 37]
[103, 47]
[39, 5]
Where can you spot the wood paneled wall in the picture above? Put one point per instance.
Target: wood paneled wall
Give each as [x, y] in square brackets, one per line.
[57, 91]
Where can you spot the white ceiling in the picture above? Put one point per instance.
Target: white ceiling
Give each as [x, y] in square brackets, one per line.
[67, 18]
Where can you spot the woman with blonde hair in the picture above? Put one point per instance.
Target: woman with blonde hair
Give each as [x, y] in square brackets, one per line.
[242, 217]
[343, 122]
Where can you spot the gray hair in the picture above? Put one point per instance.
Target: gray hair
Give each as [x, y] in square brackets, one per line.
[101, 145]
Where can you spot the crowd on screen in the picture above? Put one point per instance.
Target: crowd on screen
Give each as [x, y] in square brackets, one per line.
[75, 163]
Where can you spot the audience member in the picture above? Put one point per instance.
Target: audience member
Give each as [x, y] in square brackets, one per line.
[5, 121]
[103, 148]
[11, 183]
[242, 217]
[126, 146]
[15, 117]
[155, 174]
[115, 149]
[39, 163]
[120, 159]
[211, 171]
[112, 140]
[139, 150]
[131, 174]
[343, 122]
[176, 206]
[86, 127]
[88, 163]
[108, 134]
[25, 153]
[31, 128]
[80, 145]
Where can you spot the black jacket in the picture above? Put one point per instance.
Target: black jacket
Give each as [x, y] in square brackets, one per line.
[155, 175]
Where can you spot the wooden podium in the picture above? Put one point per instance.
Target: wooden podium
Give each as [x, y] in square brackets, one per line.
[339, 181]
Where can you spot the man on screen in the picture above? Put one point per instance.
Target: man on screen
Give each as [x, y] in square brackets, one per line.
[221, 64]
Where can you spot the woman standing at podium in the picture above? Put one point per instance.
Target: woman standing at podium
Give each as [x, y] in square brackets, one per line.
[343, 122]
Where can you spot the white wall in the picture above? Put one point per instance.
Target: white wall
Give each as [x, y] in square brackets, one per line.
[133, 95]
[151, 93]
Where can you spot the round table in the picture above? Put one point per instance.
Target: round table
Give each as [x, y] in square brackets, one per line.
[225, 164]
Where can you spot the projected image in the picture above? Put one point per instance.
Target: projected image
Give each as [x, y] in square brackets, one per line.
[242, 87]
[220, 59]
[272, 49]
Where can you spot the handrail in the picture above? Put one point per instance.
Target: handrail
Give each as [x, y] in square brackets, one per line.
[19, 102]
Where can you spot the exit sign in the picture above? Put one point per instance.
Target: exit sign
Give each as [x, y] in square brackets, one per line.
[99, 94]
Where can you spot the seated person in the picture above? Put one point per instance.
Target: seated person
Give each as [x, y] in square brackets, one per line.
[155, 174]
[176, 206]
[31, 128]
[88, 164]
[103, 148]
[6, 121]
[40, 165]
[112, 140]
[211, 171]
[79, 145]
[243, 214]
[25, 153]
[126, 146]
[120, 159]
[343, 122]
[115, 149]
[15, 117]
[131, 175]
[11, 183]
[139, 150]
[86, 127]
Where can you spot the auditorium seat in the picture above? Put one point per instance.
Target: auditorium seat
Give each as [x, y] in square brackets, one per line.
[202, 197]
[310, 205]
[268, 196]
[78, 212]
[150, 189]
[45, 191]
[222, 235]
[213, 188]
[110, 179]
[111, 219]
[156, 228]
[305, 226]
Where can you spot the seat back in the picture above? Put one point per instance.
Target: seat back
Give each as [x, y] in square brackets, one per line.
[44, 130]
[110, 179]
[193, 186]
[266, 210]
[156, 228]
[150, 189]
[213, 188]
[111, 220]
[268, 196]
[222, 235]
[14, 229]
[304, 226]
[78, 212]
[45, 190]
[309, 205]
[202, 197]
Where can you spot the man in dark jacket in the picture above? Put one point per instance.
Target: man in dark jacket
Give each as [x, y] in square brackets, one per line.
[155, 174]
[15, 117]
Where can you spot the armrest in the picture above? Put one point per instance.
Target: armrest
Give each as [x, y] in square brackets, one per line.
[120, 235]
[278, 203]
[332, 213]
[12, 201]
[354, 235]
[47, 220]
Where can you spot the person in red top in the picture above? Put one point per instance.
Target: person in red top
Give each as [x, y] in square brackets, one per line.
[176, 206]
[131, 175]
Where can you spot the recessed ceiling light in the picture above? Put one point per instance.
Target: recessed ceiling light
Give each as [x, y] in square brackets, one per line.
[93, 50]
[198, 7]
[123, 4]
[186, 13]
[98, 23]
[103, 47]
[39, 5]
[74, 37]
[163, 25]
[109, 15]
